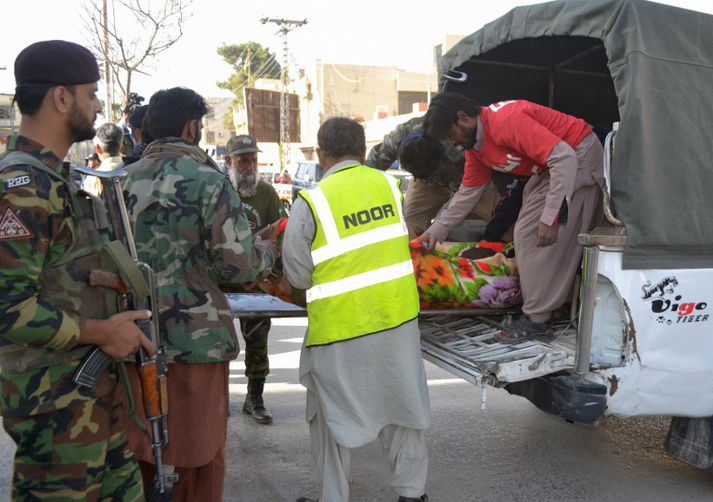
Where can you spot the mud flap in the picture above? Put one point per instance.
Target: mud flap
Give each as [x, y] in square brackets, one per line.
[564, 396]
[691, 440]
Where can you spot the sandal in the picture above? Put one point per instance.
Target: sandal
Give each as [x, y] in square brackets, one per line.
[521, 328]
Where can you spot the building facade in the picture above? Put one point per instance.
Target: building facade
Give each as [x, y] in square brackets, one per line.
[9, 119]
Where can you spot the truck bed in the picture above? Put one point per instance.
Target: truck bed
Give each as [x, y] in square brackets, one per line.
[466, 345]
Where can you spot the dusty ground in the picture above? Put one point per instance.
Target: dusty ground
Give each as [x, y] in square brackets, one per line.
[510, 451]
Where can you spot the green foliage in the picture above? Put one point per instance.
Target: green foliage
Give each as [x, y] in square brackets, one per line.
[249, 61]
[228, 121]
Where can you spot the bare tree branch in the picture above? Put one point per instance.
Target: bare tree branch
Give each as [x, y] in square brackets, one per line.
[117, 79]
[138, 31]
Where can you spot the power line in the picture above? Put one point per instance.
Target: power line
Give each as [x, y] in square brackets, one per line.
[267, 62]
[343, 77]
[267, 69]
[264, 71]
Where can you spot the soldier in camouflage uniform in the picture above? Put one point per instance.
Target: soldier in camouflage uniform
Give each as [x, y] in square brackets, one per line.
[71, 441]
[189, 226]
[262, 207]
[438, 169]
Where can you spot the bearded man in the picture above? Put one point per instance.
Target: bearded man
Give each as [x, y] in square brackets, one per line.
[71, 440]
[561, 156]
[262, 207]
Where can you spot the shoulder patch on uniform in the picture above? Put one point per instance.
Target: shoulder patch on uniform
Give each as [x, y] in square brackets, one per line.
[17, 181]
[12, 227]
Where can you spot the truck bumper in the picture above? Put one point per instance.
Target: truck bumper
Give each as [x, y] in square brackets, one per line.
[564, 396]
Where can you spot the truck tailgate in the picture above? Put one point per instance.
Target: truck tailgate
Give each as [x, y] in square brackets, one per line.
[467, 346]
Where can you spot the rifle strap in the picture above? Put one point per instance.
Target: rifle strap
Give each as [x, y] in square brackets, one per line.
[131, 403]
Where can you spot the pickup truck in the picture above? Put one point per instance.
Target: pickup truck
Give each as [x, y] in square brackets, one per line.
[638, 337]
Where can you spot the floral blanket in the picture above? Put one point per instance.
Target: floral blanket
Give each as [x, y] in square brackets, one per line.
[463, 276]
[454, 275]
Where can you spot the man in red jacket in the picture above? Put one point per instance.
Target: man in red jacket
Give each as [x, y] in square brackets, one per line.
[562, 157]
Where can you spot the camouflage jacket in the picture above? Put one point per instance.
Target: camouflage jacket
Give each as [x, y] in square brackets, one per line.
[189, 226]
[42, 288]
[448, 172]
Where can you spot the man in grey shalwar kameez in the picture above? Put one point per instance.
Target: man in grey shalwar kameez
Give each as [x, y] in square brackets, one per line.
[364, 387]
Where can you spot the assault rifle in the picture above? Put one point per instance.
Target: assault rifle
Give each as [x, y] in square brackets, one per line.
[137, 291]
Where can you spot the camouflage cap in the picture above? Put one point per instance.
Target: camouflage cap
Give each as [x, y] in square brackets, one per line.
[243, 143]
[56, 62]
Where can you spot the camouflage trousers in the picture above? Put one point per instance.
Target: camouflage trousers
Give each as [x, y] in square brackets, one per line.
[255, 332]
[78, 452]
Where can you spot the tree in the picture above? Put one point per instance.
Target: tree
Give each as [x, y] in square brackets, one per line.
[250, 61]
[128, 34]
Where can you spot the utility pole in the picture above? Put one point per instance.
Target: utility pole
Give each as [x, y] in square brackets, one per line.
[246, 67]
[286, 26]
[108, 113]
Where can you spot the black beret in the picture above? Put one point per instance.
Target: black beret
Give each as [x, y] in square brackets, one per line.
[56, 62]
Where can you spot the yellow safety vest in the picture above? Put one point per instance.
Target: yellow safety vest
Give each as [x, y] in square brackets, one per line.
[363, 280]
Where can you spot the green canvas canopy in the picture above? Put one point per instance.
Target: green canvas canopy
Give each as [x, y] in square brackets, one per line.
[645, 65]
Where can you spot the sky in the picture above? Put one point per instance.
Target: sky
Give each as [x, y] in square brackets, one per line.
[371, 32]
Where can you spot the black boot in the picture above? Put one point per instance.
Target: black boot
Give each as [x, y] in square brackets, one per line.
[254, 405]
[422, 498]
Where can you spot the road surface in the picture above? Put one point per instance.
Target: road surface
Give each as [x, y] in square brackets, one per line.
[510, 451]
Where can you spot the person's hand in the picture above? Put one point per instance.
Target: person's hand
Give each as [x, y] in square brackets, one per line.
[427, 240]
[268, 233]
[118, 335]
[267, 238]
[251, 286]
[546, 234]
[269, 246]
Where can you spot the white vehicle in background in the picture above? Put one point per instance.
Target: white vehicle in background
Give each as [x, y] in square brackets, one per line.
[308, 173]
[284, 192]
[267, 172]
[216, 152]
